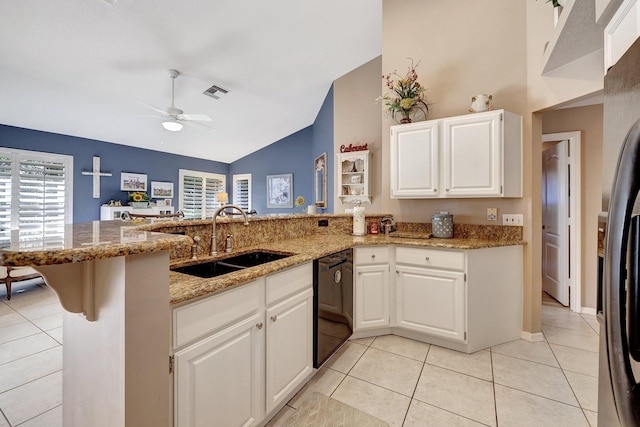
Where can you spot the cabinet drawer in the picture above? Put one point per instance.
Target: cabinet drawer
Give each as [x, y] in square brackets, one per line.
[435, 258]
[371, 255]
[286, 283]
[198, 319]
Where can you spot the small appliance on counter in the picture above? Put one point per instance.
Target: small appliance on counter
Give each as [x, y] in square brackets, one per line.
[442, 225]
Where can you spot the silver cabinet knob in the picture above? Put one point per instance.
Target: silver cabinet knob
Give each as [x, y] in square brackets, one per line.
[373, 256]
[426, 258]
[274, 318]
[447, 189]
[435, 190]
[259, 325]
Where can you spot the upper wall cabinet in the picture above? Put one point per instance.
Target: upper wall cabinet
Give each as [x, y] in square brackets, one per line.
[621, 32]
[475, 155]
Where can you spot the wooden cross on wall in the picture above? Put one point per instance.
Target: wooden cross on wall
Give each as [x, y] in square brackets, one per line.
[96, 176]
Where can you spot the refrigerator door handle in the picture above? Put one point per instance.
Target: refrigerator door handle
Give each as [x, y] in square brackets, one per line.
[633, 302]
[624, 192]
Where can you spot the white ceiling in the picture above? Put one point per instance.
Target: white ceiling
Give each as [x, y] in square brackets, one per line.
[83, 67]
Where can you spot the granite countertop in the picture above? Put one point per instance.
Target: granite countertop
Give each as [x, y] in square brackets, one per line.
[185, 287]
[108, 239]
[87, 241]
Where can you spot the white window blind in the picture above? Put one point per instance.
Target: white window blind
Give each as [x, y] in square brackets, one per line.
[36, 196]
[198, 191]
[242, 191]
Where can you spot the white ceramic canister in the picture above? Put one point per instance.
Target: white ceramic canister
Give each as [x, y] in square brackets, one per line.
[442, 225]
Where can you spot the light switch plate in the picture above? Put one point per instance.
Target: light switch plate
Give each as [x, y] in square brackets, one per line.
[513, 219]
[492, 214]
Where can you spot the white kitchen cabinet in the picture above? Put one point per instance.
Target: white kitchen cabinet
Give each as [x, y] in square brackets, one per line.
[475, 155]
[371, 290]
[431, 301]
[353, 177]
[415, 163]
[463, 300]
[289, 346]
[219, 381]
[621, 32]
[242, 353]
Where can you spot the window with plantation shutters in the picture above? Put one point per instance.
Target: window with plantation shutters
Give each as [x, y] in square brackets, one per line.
[198, 193]
[36, 197]
[242, 191]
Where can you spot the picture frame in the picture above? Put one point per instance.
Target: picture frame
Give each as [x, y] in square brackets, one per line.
[133, 181]
[161, 190]
[280, 191]
[320, 180]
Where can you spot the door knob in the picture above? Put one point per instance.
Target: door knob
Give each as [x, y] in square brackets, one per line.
[274, 318]
[544, 226]
[259, 325]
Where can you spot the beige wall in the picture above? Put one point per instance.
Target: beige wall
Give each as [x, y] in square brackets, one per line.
[587, 120]
[455, 64]
[356, 118]
[464, 47]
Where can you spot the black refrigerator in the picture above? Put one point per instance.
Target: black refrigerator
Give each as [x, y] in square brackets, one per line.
[619, 301]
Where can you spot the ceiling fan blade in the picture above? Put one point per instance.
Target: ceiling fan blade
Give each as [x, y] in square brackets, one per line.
[198, 117]
[159, 110]
[198, 125]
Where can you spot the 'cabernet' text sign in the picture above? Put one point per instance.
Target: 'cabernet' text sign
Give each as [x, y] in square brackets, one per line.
[351, 147]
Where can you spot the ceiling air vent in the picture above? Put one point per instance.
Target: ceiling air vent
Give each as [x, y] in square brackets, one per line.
[215, 92]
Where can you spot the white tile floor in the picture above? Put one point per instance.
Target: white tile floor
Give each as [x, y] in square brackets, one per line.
[408, 383]
[30, 356]
[404, 382]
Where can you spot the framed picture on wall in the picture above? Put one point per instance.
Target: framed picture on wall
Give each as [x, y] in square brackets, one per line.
[161, 190]
[133, 181]
[280, 191]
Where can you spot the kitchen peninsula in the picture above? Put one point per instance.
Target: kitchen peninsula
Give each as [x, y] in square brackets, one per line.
[116, 353]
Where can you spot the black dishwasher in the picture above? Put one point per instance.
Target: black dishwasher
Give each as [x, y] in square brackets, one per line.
[332, 304]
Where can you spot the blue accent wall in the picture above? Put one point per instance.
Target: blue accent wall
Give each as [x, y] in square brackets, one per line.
[289, 155]
[322, 142]
[294, 154]
[114, 158]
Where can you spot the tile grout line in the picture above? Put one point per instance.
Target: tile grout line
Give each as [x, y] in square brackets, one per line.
[493, 387]
[424, 362]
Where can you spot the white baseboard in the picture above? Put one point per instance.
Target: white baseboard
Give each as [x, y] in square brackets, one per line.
[588, 310]
[535, 337]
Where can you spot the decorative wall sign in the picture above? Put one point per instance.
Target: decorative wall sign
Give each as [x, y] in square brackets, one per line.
[351, 147]
[96, 176]
[133, 181]
[161, 190]
[279, 191]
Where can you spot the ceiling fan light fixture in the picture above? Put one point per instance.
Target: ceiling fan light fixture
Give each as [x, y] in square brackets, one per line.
[172, 125]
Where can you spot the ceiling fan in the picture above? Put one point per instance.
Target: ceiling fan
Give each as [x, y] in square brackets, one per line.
[175, 117]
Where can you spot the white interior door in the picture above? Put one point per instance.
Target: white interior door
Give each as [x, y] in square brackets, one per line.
[555, 222]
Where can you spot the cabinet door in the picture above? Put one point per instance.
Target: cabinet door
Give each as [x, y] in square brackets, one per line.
[472, 157]
[289, 346]
[219, 381]
[414, 160]
[431, 301]
[371, 296]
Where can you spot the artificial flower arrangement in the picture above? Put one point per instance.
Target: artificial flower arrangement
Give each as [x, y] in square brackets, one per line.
[407, 96]
[300, 201]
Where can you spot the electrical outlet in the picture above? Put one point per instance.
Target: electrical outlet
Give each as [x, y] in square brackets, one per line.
[492, 214]
[513, 219]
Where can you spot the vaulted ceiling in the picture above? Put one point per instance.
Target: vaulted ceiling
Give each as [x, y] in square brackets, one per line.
[88, 67]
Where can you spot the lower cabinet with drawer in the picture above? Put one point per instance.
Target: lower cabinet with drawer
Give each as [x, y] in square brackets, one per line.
[466, 300]
[241, 354]
[371, 287]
